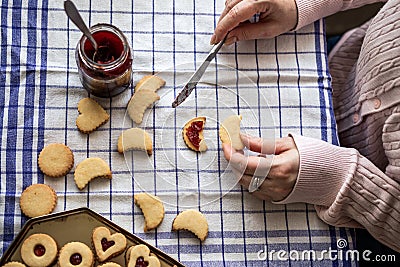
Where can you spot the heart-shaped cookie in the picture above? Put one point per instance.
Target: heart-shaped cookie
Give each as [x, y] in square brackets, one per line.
[91, 115]
[139, 256]
[106, 244]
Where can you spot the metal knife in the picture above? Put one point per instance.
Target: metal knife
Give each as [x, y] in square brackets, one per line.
[191, 84]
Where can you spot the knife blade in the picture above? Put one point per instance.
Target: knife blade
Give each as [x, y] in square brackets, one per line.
[195, 78]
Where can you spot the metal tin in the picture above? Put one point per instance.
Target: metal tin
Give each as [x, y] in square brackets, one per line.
[77, 225]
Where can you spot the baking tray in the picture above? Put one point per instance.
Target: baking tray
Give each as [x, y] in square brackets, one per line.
[77, 225]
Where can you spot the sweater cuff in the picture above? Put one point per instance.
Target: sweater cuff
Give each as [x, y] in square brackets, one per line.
[323, 170]
[309, 11]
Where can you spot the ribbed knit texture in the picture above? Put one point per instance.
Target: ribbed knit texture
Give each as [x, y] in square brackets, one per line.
[358, 186]
[311, 10]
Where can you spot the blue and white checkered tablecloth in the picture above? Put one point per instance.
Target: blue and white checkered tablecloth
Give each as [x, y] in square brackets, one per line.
[280, 85]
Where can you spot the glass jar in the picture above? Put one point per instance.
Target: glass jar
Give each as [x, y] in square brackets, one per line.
[108, 71]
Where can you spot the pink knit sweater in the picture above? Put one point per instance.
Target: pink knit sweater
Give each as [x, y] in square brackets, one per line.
[358, 184]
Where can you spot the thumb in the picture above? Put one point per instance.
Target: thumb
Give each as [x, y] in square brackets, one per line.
[264, 146]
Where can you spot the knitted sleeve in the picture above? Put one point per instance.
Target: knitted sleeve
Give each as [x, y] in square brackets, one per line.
[312, 10]
[347, 190]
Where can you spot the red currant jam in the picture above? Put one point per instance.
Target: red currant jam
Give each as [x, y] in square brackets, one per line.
[140, 262]
[107, 71]
[75, 259]
[39, 250]
[110, 47]
[105, 244]
[193, 133]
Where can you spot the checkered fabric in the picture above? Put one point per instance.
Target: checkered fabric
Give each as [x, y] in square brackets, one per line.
[279, 86]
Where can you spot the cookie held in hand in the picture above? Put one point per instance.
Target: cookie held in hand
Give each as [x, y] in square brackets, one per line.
[152, 208]
[91, 115]
[135, 139]
[193, 134]
[193, 221]
[230, 132]
[107, 245]
[90, 169]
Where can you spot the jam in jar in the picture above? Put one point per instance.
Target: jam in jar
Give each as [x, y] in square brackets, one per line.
[107, 71]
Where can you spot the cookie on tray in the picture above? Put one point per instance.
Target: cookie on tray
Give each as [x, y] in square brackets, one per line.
[14, 264]
[39, 250]
[75, 254]
[107, 245]
[139, 255]
[56, 160]
[37, 200]
[152, 208]
[109, 264]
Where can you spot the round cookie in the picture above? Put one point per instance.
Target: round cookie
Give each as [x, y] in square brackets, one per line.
[56, 160]
[109, 264]
[75, 254]
[39, 250]
[14, 264]
[37, 200]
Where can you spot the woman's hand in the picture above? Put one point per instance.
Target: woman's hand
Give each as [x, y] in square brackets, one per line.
[276, 17]
[281, 169]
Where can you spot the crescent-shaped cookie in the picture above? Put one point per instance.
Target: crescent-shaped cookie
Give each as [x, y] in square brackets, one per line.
[193, 221]
[229, 132]
[150, 82]
[139, 102]
[89, 169]
[135, 139]
[193, 134]
[152, 208]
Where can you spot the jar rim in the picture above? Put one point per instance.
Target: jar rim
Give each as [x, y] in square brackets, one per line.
[109, 28]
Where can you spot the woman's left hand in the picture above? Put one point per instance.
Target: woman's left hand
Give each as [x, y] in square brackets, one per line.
[281, 169]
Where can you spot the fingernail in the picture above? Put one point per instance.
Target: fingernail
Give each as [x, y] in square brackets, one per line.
[231, 40]
[212, 41]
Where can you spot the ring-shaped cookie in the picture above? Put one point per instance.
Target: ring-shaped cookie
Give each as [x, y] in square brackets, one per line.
[14, 264]
[71, 251]
[39, 250]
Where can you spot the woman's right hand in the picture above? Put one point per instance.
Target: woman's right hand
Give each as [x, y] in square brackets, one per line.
[276, 17]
